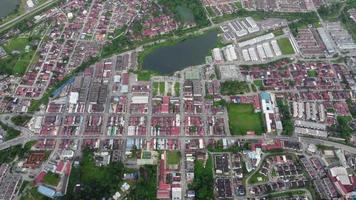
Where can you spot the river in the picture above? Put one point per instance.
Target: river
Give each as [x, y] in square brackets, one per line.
[190, 52]
[7, 6]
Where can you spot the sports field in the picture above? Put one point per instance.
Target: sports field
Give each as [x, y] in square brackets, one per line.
[285, 46]
[242, 118]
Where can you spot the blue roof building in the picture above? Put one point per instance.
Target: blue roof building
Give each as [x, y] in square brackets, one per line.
[48, 192]
[265, 96]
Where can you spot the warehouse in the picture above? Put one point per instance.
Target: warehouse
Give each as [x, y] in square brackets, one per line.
[139, 100]
[276, 48]
[217, 55]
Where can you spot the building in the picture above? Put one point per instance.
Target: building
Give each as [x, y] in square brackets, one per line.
[176, 193]
[34, 159]
[10, 183]
[268, 111]
[48, 192]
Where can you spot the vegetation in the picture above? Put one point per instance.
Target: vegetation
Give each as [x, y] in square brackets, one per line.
[196, 7]
[144, 75]
[18, 57]
[344, 17]
[286, 117]
[96, 182]
[352, 107]
[324, 147]
[185, 15]
[51, 179]
[235, 148]
[330, 12]
[312, 73]
[32, 194]
[203, 183]
[155, 88]
[258, 84]
[11, 133]
[343, 127]
[257, 177]
[234, 87]
[173, 157]
[162, 88]
[286, 194]
[146, 186]
[10, 154]
[278, 32]
[254, 88]
[242, 118]
[286, 46]
[20, 120]
[177, 88]
[219, 103]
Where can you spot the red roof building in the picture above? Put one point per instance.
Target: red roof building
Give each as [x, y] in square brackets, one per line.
[39, 178]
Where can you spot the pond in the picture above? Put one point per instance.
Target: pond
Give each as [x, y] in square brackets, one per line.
[190, 52]
[7, 6]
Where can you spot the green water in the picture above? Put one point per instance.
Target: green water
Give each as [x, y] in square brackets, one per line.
[169, 59]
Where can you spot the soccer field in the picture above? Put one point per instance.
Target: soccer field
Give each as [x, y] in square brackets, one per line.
[285, 46]
[242, 118]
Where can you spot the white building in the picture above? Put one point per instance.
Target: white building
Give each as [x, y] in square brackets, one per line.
[217, 55]
[176, 193]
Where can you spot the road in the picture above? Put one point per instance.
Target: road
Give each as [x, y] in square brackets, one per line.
[308, 140]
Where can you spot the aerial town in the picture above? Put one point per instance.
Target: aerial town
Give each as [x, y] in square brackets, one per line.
[178, 99]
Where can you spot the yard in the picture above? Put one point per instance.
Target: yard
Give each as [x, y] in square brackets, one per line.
[177, 88]
[257, 178]
[173, 157]
[258, 84]
[286, 46]
[144, 75]
[312, 73]
[242, 119]
[162, 88]
[51, 179]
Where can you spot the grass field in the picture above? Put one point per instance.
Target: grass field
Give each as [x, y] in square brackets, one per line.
[162, 88]
[242, 119]
[173, 157]
[177, 88]
[17, 64]
[258, 83]
[144, 75]
[285, 46]
[155, 88]
[257, 178]
[312, 73]
[51, 179]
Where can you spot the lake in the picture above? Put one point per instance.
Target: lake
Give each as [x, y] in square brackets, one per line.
[7, 6]
[190, 52]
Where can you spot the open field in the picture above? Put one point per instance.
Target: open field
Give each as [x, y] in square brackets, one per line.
[173, 157]
[17, 63]
[257, 178]
[286, 46]
[242, 119]
[51, 179]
